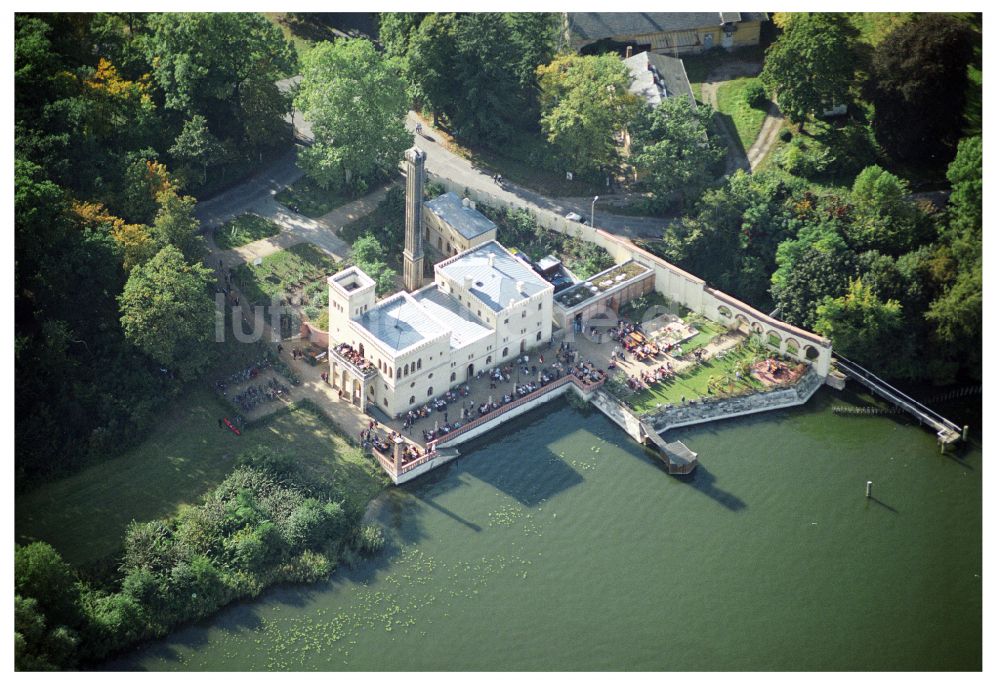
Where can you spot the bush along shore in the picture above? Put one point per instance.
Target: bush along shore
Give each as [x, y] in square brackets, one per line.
[268, 522]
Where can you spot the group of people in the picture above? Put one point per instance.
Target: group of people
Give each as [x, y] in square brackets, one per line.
[370, 438]
[648, 378]
[353, 356]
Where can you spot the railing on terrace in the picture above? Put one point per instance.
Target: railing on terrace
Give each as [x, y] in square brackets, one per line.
[586, 386]
[366, 371]
[432, 452]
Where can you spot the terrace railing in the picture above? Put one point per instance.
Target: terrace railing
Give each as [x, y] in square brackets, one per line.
[432, 453]
[367, 371]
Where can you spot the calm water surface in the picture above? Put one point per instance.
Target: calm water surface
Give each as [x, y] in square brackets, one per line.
[557, 544]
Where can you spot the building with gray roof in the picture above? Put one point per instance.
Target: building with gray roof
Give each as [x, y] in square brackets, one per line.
[452, 224]
[484, 307]
[657, 77]
[670, 33]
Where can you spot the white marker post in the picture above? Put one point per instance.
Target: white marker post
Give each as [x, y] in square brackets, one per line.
[868, 490]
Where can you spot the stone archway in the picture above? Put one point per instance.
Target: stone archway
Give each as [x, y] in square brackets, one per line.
[792, 347]
[742, 323]
[773, 339]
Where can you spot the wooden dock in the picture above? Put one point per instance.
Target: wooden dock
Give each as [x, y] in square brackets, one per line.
[679, 459]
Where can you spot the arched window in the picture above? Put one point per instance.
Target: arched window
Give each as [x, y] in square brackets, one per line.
[385, 401]
[452, 376]
[504, 355]
[538, 335]
[811, 352]
[489, 359]
[792, 346]
[725, 311]
[399, 373]
[412, 399]
[406, 369]
[430, 391]
[419, 363]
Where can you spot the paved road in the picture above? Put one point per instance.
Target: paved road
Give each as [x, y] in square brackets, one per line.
[442, 162]
[275, 176]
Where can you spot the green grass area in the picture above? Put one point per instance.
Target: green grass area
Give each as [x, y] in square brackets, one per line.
[309, 199]
[303, 29]
[706, 331]
[874, 26]
[694, 383]
[746, 120]
[185, 454]
[243, 230]
[698, 67]
[528, 162]
[282, 270]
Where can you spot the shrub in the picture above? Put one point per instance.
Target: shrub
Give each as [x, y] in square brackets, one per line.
[808, 162]
[370, 539]
[314, 524]
[785, 135]
[755, 95]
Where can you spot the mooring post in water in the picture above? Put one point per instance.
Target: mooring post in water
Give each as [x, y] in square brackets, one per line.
[868, 490]
[965, 433]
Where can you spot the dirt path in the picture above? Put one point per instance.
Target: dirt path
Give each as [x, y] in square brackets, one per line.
[736, 158]
[767, 137]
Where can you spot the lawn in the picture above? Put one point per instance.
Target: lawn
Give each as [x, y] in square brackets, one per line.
[386, 223]
[307, 198]
[303, 29]
[706, 331]
[185, 454]
[874, 26]
[694, 383]
[243, 230]
[699, 66]
[745, 119]
[281, 270]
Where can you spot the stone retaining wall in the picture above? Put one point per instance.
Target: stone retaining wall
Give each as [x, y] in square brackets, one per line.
[702, 412]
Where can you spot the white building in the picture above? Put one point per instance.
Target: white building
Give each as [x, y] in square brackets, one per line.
[484, 307]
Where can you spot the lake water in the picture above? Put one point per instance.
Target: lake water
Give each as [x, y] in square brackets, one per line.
[558, 544]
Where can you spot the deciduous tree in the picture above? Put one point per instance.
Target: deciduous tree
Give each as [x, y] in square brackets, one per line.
[166, 311]
[811, 66]
[585, 105]
[672, 149]
[357, 105]
[918, 87]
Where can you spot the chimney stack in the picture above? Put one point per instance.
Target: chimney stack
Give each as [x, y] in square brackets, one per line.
[468, 282]
[628, 52]
[520, 287]
[491, 258]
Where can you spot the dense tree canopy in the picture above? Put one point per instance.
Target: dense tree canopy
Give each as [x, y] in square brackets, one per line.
[475, 69]
[918, 88]
[586, 105]
[811, 65]
[864, 328]
[672, 148]
[168, 313]
[357, 105]
[884, 218]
